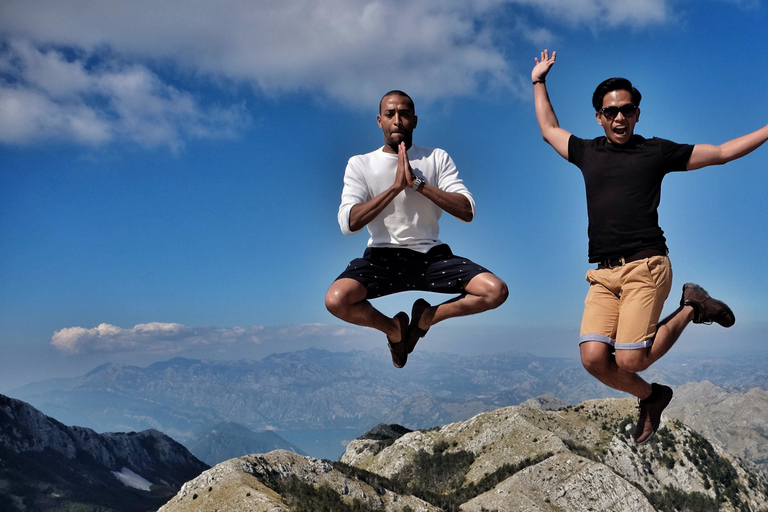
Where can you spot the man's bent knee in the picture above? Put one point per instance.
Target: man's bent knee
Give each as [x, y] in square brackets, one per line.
[632, 360]
[333, 302]
[595, 366]
[342, 294]
[596, 357]
[493, 290]
[500, 294]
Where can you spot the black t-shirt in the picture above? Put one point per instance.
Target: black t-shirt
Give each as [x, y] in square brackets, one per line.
[623, 185]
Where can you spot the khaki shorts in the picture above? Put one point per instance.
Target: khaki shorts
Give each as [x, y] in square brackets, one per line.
[624, 303]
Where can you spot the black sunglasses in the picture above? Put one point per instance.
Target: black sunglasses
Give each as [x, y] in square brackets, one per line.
[627, 110]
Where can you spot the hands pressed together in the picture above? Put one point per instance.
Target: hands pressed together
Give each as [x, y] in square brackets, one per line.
[404, 176]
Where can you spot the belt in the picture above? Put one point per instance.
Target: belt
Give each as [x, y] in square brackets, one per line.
[618, 261]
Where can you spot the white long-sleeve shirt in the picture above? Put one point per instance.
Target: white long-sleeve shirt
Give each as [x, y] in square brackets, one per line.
[410, 220]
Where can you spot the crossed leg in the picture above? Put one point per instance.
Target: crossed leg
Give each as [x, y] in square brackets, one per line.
[346, 300]
[483, 292]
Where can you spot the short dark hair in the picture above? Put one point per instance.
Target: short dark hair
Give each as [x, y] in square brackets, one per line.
[396, 93]
[614, 84]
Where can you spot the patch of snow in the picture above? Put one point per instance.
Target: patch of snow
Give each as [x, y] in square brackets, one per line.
[131, 479]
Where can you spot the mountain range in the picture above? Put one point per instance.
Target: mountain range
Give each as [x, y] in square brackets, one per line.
[542, 455]
[323, 390]
[316, 390]
[301, 390]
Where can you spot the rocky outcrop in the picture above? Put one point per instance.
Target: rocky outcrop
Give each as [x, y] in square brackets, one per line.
[513, 459]
[545, 403]
[251, 484]
[578, 458]
[564, 481]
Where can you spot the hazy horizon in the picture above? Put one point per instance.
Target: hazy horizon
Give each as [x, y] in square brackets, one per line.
[170, 174]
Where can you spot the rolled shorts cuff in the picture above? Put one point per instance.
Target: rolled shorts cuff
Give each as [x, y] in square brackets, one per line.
[617, 346]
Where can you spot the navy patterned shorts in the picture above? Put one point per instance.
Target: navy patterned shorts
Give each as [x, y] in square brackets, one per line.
[384, 271]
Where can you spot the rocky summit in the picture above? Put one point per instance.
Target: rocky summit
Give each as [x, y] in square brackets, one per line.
[512, 459]
[284, 481]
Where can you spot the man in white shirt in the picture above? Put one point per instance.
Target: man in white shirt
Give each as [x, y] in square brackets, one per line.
[400, 191]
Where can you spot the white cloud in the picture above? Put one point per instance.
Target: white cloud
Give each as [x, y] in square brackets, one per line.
[47, 95]
[346, 50]
[171, 338]
[27, 115]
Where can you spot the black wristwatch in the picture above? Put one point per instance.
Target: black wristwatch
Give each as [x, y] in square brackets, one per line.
[417, 183]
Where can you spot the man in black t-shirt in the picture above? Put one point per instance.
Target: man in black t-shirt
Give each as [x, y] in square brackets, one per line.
[620, 332]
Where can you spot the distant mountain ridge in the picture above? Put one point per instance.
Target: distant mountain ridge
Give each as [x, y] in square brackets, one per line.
[303, 390]
[230, 440]
[47, 465]
[319, 389]
[737, 421]
[512, 459]
[315, 389]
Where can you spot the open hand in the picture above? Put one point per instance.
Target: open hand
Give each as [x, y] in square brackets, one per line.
[543, 66]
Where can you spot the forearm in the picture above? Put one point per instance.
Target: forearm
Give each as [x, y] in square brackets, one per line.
[707, 154]
[454, 203]
[745, 144]
[363, 213]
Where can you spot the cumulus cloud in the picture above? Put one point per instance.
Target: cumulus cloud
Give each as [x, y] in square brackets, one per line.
[80, 70]
[171, 338]
[48, 94]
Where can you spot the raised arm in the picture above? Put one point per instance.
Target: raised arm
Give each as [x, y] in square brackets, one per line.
[707, 154]
[545, 114]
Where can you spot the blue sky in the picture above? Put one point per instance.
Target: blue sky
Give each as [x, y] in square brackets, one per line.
[170, 172]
